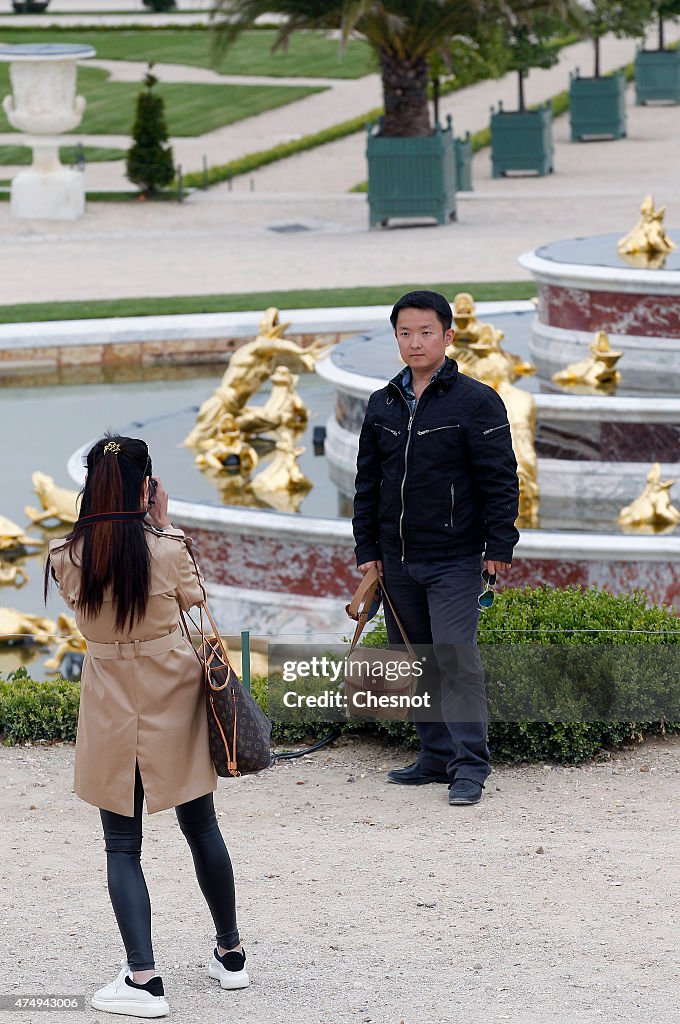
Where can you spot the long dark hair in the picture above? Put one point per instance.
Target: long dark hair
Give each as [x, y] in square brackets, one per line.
[113, 552]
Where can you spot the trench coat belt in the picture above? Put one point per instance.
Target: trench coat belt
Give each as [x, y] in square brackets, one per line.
[137, 648]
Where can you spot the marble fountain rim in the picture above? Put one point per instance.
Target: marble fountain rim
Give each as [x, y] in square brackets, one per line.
[568, 407]
[533, 544]
[33, 53]
[597, 278]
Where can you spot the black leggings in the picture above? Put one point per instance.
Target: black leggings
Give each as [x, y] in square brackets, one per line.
[127, 887]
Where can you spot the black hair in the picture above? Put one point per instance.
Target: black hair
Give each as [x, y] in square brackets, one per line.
[113, 553]
[424, 300]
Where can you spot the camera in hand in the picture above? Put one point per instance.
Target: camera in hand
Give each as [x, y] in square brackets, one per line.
[153, 485]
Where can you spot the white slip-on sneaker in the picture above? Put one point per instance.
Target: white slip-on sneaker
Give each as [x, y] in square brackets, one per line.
[229, 969]
[123, 996]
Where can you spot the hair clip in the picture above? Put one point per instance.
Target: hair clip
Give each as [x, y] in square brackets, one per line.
[112, 447]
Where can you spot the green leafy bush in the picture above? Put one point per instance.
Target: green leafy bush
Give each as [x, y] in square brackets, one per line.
[587, 621]
[149, 161]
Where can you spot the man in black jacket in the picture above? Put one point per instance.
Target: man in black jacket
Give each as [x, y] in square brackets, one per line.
[436, 496]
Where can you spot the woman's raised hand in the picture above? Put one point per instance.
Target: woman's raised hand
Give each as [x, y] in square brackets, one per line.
[158, 510]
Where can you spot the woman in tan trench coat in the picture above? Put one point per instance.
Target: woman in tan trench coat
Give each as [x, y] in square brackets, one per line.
[142, 725]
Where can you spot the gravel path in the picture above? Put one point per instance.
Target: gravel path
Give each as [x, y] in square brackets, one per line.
[553, 900]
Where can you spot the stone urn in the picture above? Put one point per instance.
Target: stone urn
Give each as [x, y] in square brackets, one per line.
[43, 105]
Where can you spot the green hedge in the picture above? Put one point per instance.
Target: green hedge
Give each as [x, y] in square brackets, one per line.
[31, 710]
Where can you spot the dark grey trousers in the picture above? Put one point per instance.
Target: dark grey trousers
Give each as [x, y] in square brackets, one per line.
[437, 605]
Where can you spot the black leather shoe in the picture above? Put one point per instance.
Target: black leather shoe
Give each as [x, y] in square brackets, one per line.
[414, 776]
[465, 791]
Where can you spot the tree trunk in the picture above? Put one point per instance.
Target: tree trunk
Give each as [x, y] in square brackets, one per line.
[405, 94]
[521, 91]
[661, 38]
[597, 56]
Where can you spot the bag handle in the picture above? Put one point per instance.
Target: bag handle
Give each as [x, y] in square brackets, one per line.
[361, 602]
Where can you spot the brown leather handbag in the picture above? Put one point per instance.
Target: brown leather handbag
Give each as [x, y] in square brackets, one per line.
[373, 686]
[239, 731]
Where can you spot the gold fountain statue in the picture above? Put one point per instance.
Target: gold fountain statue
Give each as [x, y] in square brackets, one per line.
[653, 507]
[647, 244]
[249, 367]
[57, 502]
[11, 575]
[597, 373]
[282, 475]
[283, 408]
[494, 369]
[469, 330]
[13, 538]
[16, 626]
[226, 443]
[71, 641]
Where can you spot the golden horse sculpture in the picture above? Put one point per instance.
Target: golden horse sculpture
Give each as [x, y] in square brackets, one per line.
[57, 502]
[469, 331]
[597, 373]
[283, 408]
[12, 536]
[493, 368]
[249, 367]
[653, 507]
[647, 244]
[71, 641]
[224, 445]
[9, 575]
[16, 627]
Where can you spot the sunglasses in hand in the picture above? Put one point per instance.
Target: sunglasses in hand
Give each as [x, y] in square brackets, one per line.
[485, 599]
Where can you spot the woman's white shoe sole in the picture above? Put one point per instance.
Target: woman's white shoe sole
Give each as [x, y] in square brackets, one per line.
[229, 979]
[131, 1008]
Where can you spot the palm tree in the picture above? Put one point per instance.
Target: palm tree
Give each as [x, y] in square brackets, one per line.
[404, 34]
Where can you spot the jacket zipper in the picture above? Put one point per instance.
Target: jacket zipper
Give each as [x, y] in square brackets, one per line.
[431, 430]
[383, 427]
[453, 502]
[491, 429]
[403, 479]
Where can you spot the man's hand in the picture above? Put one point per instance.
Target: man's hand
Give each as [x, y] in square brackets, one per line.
[369, 565]
[494, 567]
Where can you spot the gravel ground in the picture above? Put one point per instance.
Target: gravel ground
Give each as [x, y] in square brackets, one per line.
[555, 899]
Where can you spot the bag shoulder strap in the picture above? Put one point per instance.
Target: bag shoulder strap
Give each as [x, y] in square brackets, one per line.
[361, 602]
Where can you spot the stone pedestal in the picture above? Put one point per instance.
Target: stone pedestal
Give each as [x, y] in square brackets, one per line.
[44, 104]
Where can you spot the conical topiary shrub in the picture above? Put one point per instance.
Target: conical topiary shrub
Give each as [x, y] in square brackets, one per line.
[149, 160]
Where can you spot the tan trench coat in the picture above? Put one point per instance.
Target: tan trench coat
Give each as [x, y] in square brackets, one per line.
[140, 705]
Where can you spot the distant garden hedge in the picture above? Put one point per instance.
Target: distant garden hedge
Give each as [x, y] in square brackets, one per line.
[623, 626]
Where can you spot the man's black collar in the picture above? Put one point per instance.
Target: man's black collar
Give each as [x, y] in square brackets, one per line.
[446, 376]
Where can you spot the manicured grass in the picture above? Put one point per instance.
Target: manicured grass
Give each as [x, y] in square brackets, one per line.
[486, 291]
[190, 109]
[311, 54]
[19, 156]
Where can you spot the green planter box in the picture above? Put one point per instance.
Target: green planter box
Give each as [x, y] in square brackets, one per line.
[521, 140]
[412, 177]
[30, 6]
[464, 163]
[597, 107]
[657, 76]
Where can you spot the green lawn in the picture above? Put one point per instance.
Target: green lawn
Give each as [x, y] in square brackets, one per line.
[20, 156]
[310, 54]
[485, 291]
[190, 109]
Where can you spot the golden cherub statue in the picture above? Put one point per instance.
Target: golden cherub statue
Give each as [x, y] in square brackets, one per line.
[648, 240]
[596, 373]
[18, 627]
[653, 507]
[283, 408]
[495, 370]
[57, 502]
[9, 575]
[283, 472]
[469, 330]
[13, 538]
[226, 443]
[248, 369]
[71, 641]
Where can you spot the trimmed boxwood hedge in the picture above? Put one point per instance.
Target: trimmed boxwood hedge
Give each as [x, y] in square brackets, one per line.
[31, 710]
